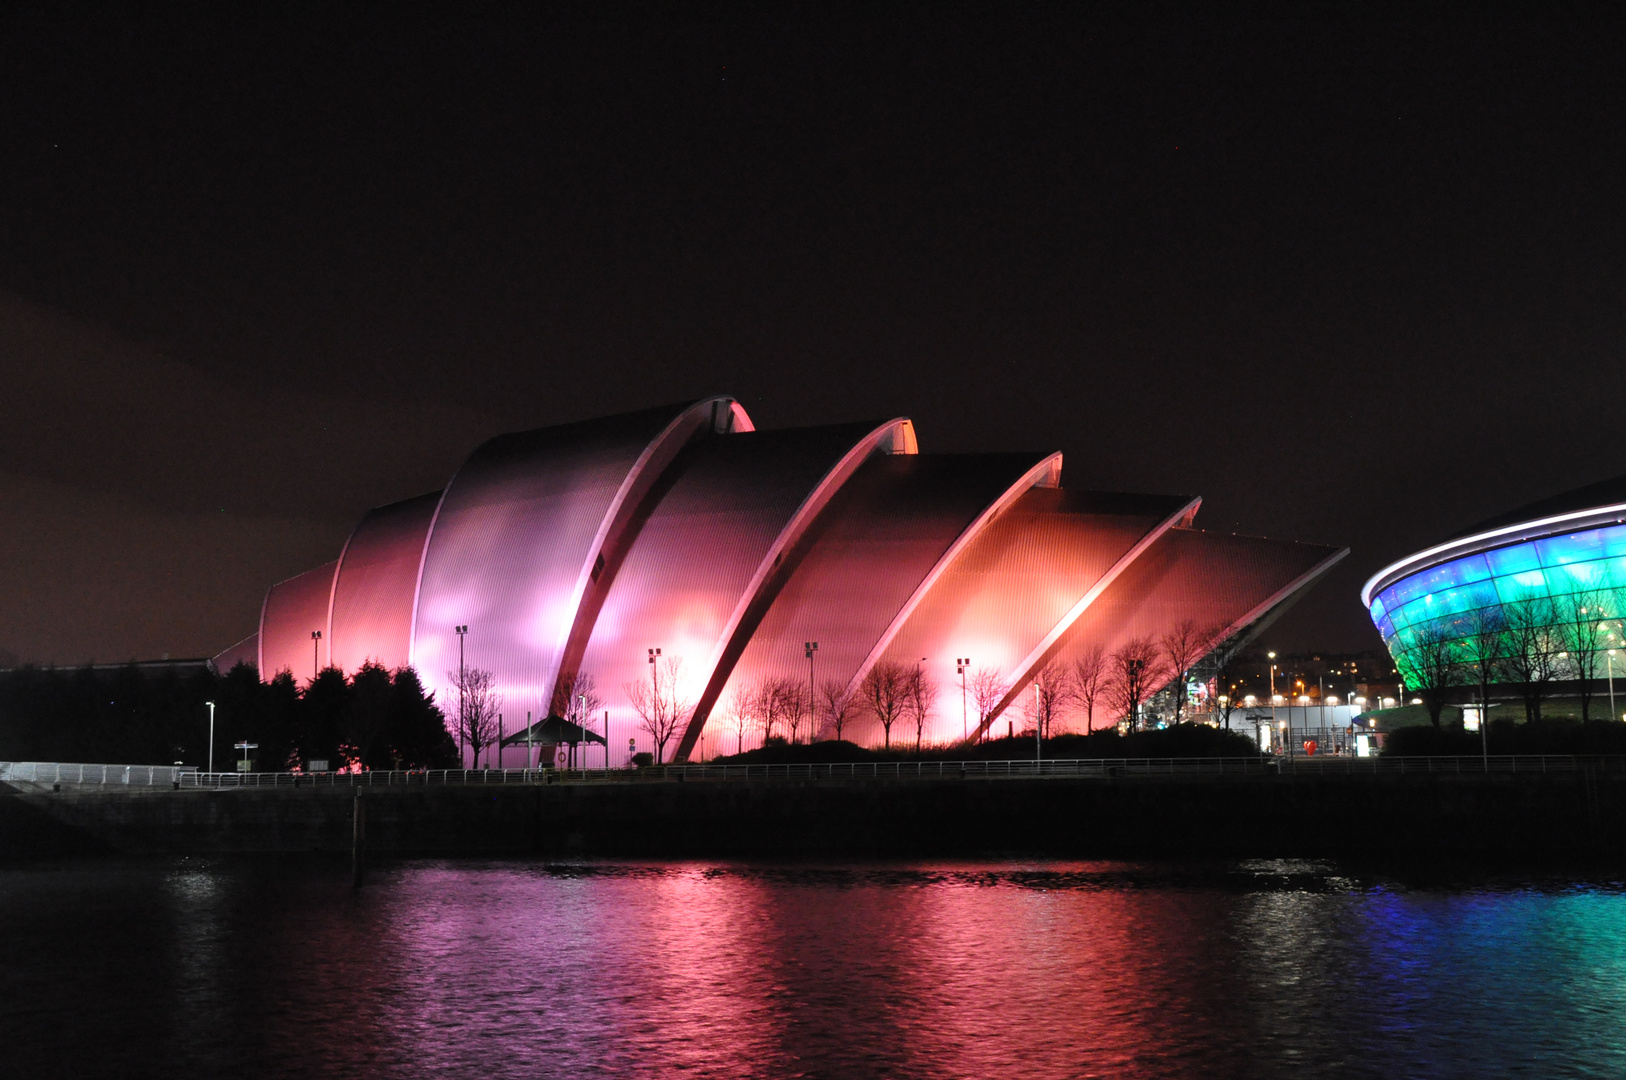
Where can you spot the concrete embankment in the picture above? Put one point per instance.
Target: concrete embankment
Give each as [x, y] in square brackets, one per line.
[1127, 817]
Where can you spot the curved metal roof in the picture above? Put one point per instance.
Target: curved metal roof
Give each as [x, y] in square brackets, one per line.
[707, 560]
[377, 577]
[874, 547]
[525, 532]
[292, 610]
[1611, 492]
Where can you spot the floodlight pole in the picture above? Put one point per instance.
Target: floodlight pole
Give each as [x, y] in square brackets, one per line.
[1609, 658]
[316, 651]
[960, 664]
[211, 766]
[812, 697]
[654, 691]
[462, 682]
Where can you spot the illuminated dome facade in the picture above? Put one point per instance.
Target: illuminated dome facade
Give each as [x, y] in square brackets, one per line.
[1530, 571]
[577, 549]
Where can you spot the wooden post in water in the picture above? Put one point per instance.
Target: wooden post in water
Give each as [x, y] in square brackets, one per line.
[358, 840]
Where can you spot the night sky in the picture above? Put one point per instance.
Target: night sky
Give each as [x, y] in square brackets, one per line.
[1353, 282]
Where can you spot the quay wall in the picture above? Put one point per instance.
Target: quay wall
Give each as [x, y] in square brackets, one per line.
[1582, 812]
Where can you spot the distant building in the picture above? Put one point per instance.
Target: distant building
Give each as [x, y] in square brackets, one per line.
[582, 548]
[1549, 568]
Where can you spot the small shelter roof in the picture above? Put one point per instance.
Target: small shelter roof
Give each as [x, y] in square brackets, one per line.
[552, 730]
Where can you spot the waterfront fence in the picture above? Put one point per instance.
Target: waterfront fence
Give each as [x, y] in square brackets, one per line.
[183, 777]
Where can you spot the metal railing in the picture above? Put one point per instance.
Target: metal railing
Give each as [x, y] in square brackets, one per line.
[1210, 767]
[56, 772]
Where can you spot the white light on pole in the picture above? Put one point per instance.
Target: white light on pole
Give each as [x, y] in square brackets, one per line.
[211, 767]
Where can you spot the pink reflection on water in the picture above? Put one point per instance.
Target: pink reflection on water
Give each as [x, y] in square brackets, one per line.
[721, 971]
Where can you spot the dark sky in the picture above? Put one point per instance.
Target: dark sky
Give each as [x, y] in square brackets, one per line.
[1352, 281]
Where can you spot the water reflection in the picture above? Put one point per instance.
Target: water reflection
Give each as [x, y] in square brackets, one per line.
[976, 970]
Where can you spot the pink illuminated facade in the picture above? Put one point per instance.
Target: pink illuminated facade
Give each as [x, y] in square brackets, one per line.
[578, 549]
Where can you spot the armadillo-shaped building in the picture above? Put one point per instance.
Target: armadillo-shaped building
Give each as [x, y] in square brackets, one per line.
[578, 549]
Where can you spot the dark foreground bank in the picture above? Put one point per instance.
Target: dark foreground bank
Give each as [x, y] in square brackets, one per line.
[1577, 813]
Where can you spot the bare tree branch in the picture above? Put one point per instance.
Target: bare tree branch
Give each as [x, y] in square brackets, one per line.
[1182, 645]
[1135, 673]
[884, 691]
[839, 705]
[1090, 675]
[920, 697]
[659, 703]
[1051, 690]
[988, 687]
[478, 706]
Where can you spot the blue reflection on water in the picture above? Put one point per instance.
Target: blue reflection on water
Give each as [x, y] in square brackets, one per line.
[975, 969]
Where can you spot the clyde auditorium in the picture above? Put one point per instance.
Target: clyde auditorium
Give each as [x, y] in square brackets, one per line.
[578, 548]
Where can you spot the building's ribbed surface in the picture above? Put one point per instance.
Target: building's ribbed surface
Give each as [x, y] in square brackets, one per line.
[577, 549]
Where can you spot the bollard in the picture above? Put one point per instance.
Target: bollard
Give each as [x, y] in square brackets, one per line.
[358, 840]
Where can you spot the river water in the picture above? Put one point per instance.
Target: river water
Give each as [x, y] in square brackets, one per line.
[276, 967]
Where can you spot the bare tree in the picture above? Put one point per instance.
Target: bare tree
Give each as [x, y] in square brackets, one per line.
[776, 701]
[920, 697]
[988, 687]
[1135, 673]
[1428, 666]
[839, 705]
[659, 703]
[576, 699]
[797, 709]
[1580, 618]
[884, 690]
[1051, 691]
[1481, 655]
[478, 706]
[741, 714]
[1533, 645]
[1182, 645]
[1089, 677]
[1221, 665]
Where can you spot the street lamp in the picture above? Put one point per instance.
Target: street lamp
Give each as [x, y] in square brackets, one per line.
[963, 662]
[812, 700]
[1610, 660]
[211, 767]
[462, 683]
[316, 645]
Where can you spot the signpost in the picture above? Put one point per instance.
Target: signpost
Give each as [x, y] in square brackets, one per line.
[245, 747]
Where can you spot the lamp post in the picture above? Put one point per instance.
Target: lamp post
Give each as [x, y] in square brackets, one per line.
[211, 766]
[1609, 660]
[1276, 700]
[1135, 667]
[812, 699]
[960, 664]
[1304, 703]
[462, 681]
[581, 735]
[654, 691]
[316, 647]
